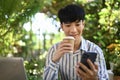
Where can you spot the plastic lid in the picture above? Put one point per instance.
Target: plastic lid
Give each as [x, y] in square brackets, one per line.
[69, 37]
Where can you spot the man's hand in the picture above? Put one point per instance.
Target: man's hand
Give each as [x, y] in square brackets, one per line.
[63, 47]
[87, 74]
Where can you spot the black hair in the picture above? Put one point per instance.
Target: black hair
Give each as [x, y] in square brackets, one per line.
[71, 13]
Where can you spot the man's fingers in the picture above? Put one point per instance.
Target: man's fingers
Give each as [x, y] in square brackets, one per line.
[80, 72]
[91, 64]
[94, 67]
[86, 70]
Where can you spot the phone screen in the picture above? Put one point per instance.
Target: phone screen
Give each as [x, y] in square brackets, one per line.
[88, 55]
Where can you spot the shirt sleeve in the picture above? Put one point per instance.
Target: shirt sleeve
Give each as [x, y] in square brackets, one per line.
[51, 68]
[102, 73]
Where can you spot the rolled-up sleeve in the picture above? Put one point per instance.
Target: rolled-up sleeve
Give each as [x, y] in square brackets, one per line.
[51, 71]
[51, 68]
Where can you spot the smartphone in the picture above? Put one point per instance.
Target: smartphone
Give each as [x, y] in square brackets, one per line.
[88, 55]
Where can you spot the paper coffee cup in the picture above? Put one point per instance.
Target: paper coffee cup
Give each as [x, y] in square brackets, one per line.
[71, 40]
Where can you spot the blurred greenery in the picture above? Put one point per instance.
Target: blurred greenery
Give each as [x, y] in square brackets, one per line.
[102, 27]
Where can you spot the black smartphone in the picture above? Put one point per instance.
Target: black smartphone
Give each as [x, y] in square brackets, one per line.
[88, 55]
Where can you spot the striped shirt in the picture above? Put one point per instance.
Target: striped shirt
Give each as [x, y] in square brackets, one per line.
[65, 68]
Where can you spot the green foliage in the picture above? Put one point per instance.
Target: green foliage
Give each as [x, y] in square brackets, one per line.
[34, 67]
[13, 14]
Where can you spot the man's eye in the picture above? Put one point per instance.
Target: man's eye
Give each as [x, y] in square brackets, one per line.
[77, 24]
[67, 25]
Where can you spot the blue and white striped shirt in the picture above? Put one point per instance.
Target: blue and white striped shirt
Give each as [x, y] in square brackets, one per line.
[66, 65]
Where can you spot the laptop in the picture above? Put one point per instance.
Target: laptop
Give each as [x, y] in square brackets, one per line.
[12, 69]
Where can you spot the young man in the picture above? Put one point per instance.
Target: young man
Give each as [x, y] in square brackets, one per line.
[60, 61]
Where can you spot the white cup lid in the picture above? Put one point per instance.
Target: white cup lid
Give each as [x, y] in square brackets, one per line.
[69, 37]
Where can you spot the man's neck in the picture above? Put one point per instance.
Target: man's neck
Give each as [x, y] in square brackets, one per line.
[77, 45]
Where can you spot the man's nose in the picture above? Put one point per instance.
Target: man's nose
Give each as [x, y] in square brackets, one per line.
[73, 29]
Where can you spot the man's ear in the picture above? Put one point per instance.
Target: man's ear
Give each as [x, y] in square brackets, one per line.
[83, 22]
[61, 25]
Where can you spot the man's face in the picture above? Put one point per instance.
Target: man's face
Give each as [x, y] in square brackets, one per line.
[74, 29]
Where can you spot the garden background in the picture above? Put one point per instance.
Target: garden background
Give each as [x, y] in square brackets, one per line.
[102, 27]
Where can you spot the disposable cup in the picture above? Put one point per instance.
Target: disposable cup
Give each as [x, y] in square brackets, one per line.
[71, 40]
